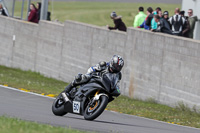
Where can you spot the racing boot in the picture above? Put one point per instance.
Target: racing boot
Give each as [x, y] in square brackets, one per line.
[68, 89]
[74, 83]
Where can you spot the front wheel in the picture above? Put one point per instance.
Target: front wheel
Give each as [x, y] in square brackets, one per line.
[93, 111]
[58, 106]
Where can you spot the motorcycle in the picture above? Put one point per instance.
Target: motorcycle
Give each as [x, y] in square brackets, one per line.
[91, 98]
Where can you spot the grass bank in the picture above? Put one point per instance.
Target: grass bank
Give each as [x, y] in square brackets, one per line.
[97, 13]
[13, 125]
[35, 82]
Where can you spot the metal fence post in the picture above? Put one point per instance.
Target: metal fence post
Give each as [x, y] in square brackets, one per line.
[44, 10]
[22, 10]
[13, 8]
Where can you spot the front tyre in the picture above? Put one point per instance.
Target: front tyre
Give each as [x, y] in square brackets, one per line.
[58, 106]
[92, 112]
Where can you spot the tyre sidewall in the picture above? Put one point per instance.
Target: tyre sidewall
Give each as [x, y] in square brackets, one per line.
[58, 111]
[99, 110]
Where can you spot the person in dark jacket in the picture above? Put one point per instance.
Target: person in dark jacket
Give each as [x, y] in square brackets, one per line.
[186, 29]
[163, 25]
[33, 16]
[119, 24]
[39, 9]
[2, 11]
[166, 16]
[150, 16]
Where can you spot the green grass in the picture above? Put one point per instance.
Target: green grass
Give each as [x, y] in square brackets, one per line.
[97, 13]
[31, 81]
[150, 109]
[180, 115]
[13, 125]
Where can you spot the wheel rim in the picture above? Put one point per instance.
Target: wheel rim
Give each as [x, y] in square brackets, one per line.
[93, 108]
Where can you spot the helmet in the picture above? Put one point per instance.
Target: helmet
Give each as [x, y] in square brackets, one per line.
[116, 64]
[113, 15]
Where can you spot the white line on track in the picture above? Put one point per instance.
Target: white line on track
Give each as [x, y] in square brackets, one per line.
[25, 92]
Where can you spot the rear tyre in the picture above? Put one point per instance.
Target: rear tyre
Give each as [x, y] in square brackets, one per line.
[92, 113]
[58, 106]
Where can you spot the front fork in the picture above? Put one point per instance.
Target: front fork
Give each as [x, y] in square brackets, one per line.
[97, 97]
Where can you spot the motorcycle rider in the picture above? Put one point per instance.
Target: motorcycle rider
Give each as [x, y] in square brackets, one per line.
[114, 66]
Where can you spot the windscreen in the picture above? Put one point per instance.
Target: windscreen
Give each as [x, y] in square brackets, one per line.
[110, 80]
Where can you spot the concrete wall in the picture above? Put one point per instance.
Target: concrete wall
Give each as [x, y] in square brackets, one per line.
[165, 67]
[159, 66]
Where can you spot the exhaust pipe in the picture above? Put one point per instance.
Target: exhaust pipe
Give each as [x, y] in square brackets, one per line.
[65, 98]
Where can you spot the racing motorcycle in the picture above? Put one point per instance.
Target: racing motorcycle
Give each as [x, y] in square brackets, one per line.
[89, 99]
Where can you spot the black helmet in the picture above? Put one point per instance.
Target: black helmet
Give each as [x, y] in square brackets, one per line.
[116, 64]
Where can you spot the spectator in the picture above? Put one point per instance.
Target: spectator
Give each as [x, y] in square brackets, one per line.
[143, 25]
[39, 9]
[39, 5]
[186, 29]
[157, 10]
[166, 16]
[192, 20]
[118, 22]
[150, 16]
[153, 22]
[2, 11]
[160, 14]
[140, 17]
[49, 16]
[33, 16]
[177, 23]
[163, 26]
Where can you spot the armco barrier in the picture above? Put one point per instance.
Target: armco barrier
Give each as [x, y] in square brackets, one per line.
[159, 66]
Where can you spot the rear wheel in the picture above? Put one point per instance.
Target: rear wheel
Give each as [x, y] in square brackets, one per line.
[92, 111]
[58, 106]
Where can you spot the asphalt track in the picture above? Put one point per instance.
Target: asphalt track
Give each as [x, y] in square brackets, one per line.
[132, 1]
[37, 108]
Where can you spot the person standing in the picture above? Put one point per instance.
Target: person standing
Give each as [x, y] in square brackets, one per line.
[2, 11]
[192, 20]
[39, 5]
[119, 24]
[150, 16]
[166, 16]
[143, 25]
[140, 17]
[33, 16]
[157, 10]
[153, 22]
[177, 23]
[186, 29]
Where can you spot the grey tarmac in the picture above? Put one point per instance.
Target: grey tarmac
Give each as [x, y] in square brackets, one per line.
[37, 108]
